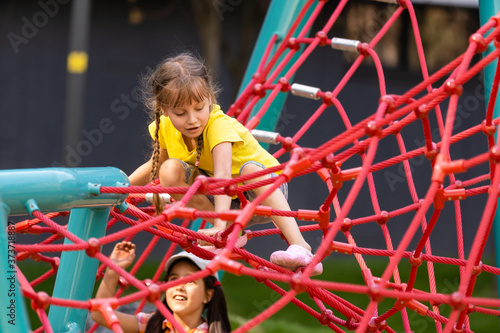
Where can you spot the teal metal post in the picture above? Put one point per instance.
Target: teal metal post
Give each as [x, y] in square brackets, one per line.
[279, 18]
[487, 9]
[77, 271]
[60, 189]
[13, 316]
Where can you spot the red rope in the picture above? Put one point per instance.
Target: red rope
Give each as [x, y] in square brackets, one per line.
[336, 162]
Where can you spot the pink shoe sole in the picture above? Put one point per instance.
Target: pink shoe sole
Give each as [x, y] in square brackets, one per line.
[318, 269]
[294, 256]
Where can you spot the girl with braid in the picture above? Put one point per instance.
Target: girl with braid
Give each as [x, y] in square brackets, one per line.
[192, 135]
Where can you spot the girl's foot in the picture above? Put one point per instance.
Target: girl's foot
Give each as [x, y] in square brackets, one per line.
[295, 256]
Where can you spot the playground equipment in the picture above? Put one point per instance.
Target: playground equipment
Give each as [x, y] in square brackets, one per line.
[94, 194]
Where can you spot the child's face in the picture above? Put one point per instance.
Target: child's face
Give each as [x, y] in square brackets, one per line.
[191, 119]
[188, 299]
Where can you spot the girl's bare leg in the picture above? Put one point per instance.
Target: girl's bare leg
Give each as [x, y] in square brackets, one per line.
[172, 175]
[287, 225]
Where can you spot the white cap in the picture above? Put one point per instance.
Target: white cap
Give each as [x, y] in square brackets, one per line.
[197, 261]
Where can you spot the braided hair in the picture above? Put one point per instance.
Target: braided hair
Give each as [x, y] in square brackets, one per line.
[175, 82]
[156, 158]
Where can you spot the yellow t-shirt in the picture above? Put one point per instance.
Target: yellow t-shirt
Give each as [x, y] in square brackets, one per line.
[220, 128]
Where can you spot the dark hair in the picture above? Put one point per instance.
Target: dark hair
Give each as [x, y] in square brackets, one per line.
[217, 318]
[175, 82]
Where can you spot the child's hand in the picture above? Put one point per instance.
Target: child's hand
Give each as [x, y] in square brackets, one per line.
[123, 254]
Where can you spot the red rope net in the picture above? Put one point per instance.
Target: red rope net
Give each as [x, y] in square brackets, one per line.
[333, 217]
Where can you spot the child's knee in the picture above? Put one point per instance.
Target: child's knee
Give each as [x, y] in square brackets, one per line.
[172, 173]
[249, 168]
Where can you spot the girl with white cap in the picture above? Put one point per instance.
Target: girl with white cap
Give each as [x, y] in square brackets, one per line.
[198, 306]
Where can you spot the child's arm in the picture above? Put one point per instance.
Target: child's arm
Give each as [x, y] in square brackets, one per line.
[123, 255]
[142, 175]
[222, 159]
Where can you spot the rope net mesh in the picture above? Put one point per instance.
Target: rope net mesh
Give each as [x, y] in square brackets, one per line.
[346, 164]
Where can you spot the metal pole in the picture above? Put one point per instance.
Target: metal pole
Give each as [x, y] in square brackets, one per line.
[13, 316]
[77, 271]
[76, 77]
[487, 9]
[279, 18]
[60, 189]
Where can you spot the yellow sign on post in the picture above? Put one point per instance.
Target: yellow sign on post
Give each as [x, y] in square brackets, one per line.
[77, 62]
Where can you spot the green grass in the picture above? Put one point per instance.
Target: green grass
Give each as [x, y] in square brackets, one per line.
[247, 298]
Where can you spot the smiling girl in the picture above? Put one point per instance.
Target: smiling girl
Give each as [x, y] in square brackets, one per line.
[188, 302]
[192, 135]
